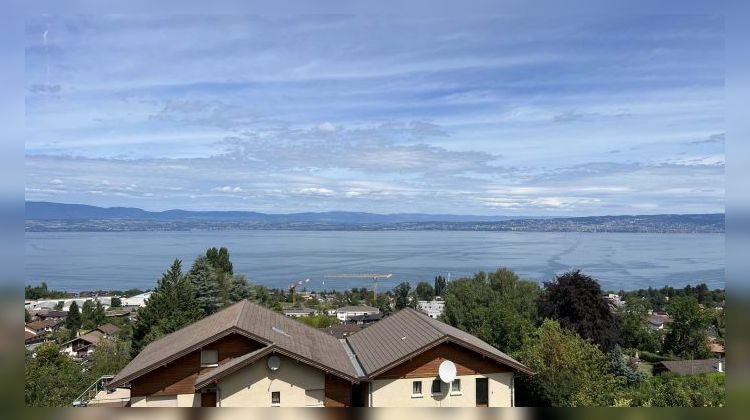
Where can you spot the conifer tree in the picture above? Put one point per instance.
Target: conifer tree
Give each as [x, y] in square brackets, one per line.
[73, 321]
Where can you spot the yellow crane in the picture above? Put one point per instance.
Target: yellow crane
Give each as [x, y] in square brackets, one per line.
[372, 276]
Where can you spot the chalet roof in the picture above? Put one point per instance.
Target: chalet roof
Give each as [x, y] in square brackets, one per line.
[47, 323]
[407, 333]
[299, 310]
[91, 337]
[261, 324]
[108, 329]
[689, 367]
[28, 335]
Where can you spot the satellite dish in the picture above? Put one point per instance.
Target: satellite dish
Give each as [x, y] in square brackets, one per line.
[447, 371]
[274, 363]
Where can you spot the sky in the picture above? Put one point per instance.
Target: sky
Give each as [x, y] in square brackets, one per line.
[492, 115]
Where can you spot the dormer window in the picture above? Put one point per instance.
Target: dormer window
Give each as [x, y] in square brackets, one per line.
[209, 358]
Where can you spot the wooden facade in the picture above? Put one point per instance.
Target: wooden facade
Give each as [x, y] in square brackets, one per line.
[178, 377]
[338, 392]
[426, 364]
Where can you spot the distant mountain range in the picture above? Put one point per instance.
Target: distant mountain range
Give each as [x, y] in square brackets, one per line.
[47, 216]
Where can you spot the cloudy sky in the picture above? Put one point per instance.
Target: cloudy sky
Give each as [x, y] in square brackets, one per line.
[492, 115]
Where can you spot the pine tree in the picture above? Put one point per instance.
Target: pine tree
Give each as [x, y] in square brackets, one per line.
[204, 281]
[87, 315]
[172, 305]
[73, 321]
[98, 315]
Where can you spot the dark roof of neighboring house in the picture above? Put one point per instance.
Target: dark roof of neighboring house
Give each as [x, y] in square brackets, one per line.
[54, 313]
[303, 342]
[342, 330]
[658, 319]
[358, 308]
[28, 335]
[689, 367]
[47, 323]
[407, 333]
[91, 337]
[108, 329]
[365, 317]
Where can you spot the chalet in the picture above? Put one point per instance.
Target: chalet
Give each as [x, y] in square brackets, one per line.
[658, 321]
[82, 346]
[689, 367]
[108, 330]
[46, 326]
[249, 356]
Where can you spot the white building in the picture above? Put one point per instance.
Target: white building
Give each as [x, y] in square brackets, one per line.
[299, 312]
[347, 312]
[433, 308]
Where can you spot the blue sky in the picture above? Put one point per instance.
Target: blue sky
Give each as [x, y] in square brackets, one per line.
[490, 115]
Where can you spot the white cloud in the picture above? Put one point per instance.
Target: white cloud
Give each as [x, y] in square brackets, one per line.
[327, 127]
[228, 189]
[57, 181]
[315, 191]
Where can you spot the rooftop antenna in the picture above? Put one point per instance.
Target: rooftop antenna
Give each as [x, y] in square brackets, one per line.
[372, 276]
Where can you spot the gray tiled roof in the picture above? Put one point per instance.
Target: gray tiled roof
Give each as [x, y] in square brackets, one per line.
[245, 317]
[408, 332]
[690, 367]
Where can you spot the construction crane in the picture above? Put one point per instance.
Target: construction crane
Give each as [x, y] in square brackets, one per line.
[293, 287]
[372, 276]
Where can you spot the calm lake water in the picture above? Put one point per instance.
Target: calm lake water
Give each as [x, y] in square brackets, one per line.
[120, 260]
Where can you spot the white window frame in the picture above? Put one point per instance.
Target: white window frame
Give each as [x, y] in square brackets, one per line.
[205, 360]
[414, 385]
[456, 387]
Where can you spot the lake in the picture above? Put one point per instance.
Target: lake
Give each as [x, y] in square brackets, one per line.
[75, 261]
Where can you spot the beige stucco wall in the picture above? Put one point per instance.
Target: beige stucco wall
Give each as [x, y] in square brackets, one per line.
[300, 385]
[398, 392]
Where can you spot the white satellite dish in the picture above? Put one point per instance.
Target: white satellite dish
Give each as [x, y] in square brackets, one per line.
[447, 371]
[274, 363]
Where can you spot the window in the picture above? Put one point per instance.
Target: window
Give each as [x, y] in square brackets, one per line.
[456, 386]
[416, 388]
[437, 386]
[276, 398]
[209, 358]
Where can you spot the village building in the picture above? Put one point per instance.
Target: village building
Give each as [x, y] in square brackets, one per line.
[299, 312]
[433, 308]
[658, 321]
[689, 367]
[347, 313]
[249, 356]
[82, 346]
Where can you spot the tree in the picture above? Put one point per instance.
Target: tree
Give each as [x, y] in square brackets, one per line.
[73, 320]
[219, 259]
[203, 279]
[109, 357]
[619, 367]
[59, 305]
[687, 335]
[707, 390]
[26, 316]
[52, 379]
[98, 316]
[239, 289]
[577, 302]
[172, 305]
[87, 315]
[116, 302]
[499, 308]
[424, 291]
[569, 371]
[439, 285]
[634, 331]
[403, 295]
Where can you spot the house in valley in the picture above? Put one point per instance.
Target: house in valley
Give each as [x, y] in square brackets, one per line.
[249, 356]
